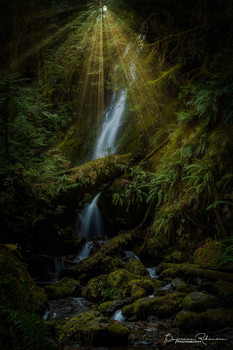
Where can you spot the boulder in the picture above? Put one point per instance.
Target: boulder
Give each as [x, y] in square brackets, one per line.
[66, 287]
[210, 320]
[224, 291]
[199, 301]
[208, 255]
[93, 329]
[139, 288]
[186, 271]
[135, 266]
[160, 306]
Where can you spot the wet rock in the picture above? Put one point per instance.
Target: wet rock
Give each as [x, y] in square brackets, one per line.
[92, 328]
[176, 257]
[120, 278]
[137, 267]
[93, 266]
[139, 288]
[214, 319]
[64, 288]
[96, 288]
[208, 255]
[192, 270]
[109, 307]
[63, 309]
[159, 306]
[198, 301]
[224, 290]
[177, 282]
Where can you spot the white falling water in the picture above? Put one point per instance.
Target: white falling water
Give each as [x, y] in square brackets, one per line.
[59, 265]
[131, 255]
[117, 316]
[153, 272]
[90, 223]
[85, 251]
[106, 142]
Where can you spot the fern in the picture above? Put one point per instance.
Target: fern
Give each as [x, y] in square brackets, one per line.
[24, 326]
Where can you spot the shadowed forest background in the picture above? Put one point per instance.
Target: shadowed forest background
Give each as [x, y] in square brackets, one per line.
[161, 246]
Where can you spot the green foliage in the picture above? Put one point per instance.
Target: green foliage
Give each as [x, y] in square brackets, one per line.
[227, 257]
[19, 298]
[201, 180]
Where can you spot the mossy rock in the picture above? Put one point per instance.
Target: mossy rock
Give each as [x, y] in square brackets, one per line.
[104, 307]
[66, 287]
[224, 291]
[156, 246]
[128, 310]
[120, 278]
[135, 266]
[93, 266]
[185, 288]
[96, 288]
[210, 320]
[110, 286]
[193, 270]
[156, 283]
[208, 255]
[176, 257]
[18, 290]
[159, 306]
[93, 329]
[199, 301]
[139, 288]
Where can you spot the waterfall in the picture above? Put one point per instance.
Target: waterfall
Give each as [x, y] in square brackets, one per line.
[84, 253]
[89, 222]
[131, 255]
[117, 316]
[59, 265]
[153, 272]
[106, 142]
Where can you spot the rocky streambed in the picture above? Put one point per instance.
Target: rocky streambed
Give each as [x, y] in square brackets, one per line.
[111, 299]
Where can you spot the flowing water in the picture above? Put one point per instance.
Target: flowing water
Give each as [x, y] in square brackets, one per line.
[131, 255]
[89, 222]
[153, 272]
[67, 307]
[84, 253]
[106, 142]
[117, 316]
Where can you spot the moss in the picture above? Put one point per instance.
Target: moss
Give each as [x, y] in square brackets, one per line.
[160, 306]
[92, 328]
[176, 257]
[214, 319]
[137, 267]
[224, 291]
[64, 288]
[199, 301]
[119, 333]
[95, 265]
[128, 310]
[139, 288]
[18, 290]
[209, 254]
[120, 278]
[187, 270]
[96, 288]
[104, 306]
[185, 288]
[157, 283]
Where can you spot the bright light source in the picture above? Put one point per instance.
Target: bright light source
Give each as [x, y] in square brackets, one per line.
[104, 8]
